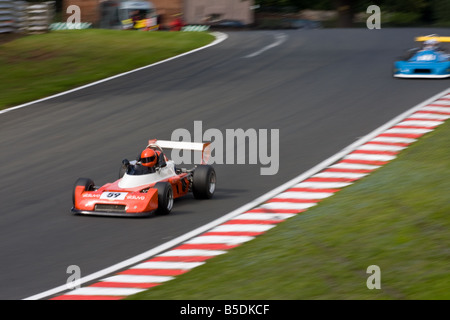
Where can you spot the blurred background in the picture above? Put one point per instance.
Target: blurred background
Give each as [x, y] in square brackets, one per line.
[259, 14]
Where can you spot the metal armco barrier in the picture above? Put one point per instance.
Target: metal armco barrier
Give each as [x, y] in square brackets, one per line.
[39, 17]
[24, 17]
[7, 20]
[20, 16]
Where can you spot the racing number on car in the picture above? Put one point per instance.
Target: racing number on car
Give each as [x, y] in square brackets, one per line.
[426, 57]
[113, 195]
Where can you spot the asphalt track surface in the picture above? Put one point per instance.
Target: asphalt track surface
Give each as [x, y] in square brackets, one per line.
[322, 89]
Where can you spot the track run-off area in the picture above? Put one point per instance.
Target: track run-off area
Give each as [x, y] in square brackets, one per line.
[322, 89]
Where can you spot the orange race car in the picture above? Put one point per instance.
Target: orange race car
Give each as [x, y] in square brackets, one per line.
[146, 185]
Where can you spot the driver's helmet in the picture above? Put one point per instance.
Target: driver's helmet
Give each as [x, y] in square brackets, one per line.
[430, 44]
[148, 158]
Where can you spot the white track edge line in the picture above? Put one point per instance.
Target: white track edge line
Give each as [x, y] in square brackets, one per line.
[322, 165]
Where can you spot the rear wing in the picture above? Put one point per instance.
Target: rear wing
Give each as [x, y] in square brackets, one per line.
[433, 37]
[203, 147]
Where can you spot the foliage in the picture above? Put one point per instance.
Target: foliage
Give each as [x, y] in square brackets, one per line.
[441, 11]
[403, 18]
[297, 4]
[403, 12]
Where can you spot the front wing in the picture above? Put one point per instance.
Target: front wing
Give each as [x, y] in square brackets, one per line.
[436, 70]
[115, 203]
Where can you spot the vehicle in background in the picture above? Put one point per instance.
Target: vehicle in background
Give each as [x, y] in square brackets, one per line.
[430, 60]
[226, 24]
[128, 15]
[300, 24]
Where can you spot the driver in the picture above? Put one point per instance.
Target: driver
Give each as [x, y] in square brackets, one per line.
[148, 159]
[431, 44]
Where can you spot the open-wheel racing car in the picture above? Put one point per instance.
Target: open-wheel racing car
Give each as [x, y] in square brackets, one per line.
[146, 185]
[430, 60]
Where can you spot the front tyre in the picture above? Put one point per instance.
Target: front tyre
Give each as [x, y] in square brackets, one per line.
[204, 182]
[87, 183]
[165, 198]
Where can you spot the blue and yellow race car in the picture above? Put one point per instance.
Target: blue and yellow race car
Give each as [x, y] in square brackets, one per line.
[430, 60]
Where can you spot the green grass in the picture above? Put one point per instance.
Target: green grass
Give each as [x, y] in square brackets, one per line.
[396, 218]
[37, 66]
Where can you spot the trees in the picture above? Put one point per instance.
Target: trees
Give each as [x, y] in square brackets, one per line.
[440, 10]
[429, 11]
[346, 11]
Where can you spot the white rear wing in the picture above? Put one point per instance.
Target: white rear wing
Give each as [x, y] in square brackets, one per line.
[203, 147]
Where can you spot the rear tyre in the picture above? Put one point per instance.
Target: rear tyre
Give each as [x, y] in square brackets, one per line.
[204, 182]
[165, 198]
[87, 183]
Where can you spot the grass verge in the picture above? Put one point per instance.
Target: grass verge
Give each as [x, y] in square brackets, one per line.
[396, 218]
[37, 66]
